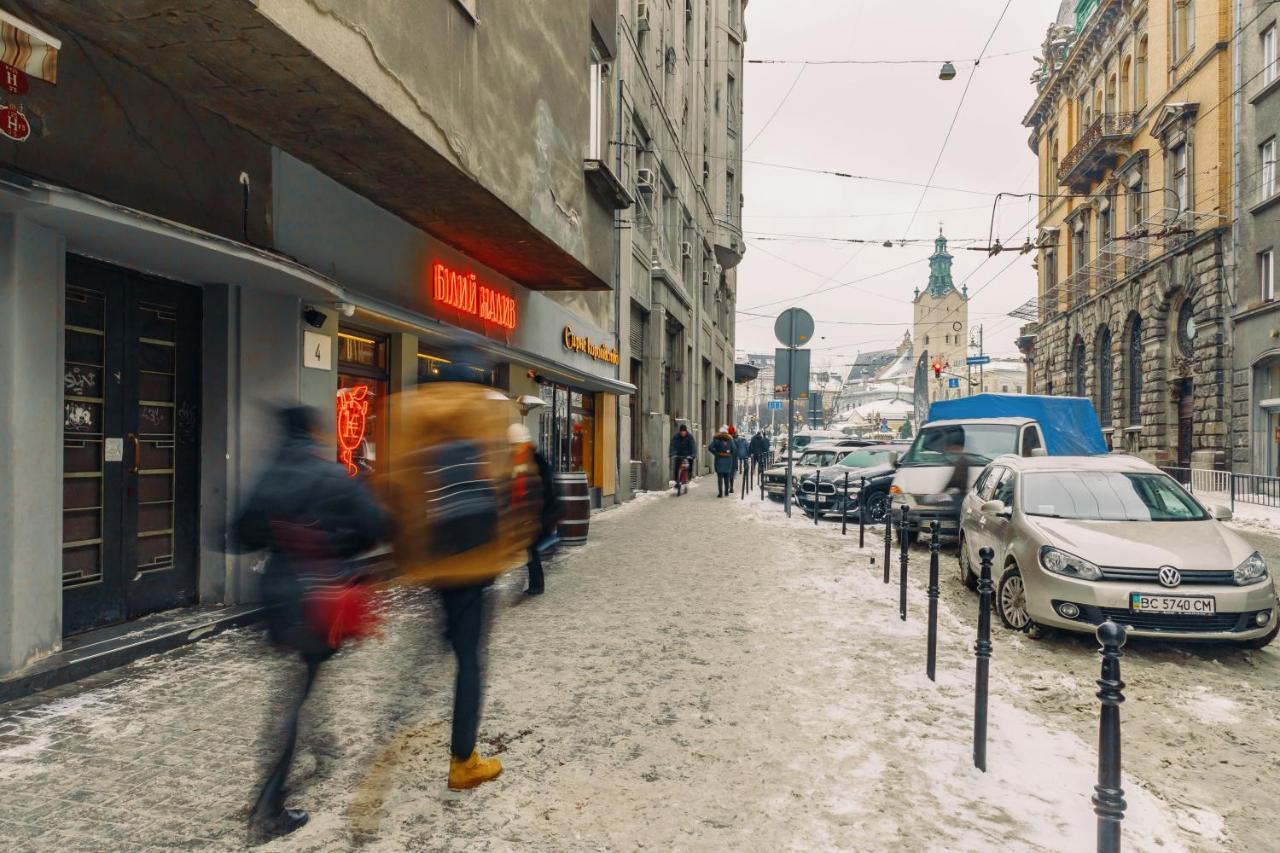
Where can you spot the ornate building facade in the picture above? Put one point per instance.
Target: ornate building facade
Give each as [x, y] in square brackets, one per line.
[941, 325]
[1132, 125]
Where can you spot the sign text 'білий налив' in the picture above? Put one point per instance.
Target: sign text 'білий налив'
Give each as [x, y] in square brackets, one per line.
[582, 344]
[463, 292]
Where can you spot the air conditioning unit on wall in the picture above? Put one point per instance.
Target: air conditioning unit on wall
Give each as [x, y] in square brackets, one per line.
[686, 250]
[644, 180]
[642, 17]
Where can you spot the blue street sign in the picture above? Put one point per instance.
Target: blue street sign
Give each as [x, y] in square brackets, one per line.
[953, 383]
[775, 404]
[978, 359]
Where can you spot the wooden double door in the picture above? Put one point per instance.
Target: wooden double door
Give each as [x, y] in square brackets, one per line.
[131, 445]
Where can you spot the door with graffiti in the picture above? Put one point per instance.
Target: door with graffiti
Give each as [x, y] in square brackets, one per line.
[131, 445]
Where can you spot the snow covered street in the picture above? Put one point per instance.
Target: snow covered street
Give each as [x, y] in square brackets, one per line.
[704, 674]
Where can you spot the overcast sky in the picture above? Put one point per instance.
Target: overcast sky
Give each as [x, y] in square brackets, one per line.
[883, 121]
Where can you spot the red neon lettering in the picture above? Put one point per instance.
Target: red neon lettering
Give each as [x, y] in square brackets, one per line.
[464, 293]
[353, 411]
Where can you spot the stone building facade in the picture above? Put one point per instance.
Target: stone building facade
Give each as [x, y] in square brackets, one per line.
[941, 326]
[1255, 403]
[1134, 136]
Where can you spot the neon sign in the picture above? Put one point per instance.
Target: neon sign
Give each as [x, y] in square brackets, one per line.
[463, 292]
[353, 411]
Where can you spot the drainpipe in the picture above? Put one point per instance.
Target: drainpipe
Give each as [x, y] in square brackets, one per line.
[1232, 259]
[617, 280]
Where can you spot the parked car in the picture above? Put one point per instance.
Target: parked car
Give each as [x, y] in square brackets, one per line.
[825, 488]
[1079, 540]
[815, 457]
[972, 431]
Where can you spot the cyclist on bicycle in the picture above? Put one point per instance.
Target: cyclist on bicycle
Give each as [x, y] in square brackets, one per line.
[681, 448]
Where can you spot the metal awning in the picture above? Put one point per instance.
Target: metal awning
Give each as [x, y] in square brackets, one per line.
[745, 372]
[111, 232]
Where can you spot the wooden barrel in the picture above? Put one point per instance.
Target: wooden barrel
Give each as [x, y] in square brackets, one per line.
[575, 498]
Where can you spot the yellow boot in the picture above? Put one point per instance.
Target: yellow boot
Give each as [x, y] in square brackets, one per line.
[473, 771]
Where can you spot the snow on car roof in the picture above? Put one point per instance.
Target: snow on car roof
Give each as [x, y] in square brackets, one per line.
[1119, 462]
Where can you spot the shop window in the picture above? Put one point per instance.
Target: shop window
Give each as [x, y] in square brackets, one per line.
[361, 405]
[431, 369]
[568, 429]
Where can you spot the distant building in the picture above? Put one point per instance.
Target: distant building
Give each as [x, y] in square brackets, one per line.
[941, 326]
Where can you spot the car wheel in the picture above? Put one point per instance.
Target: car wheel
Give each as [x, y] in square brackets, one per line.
[877, 507]
[967, 577]
[1264, 640]
[775, 498]
[1011, 600]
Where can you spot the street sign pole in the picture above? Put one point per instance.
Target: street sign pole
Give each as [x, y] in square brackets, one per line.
[791, 417]
[793, 328]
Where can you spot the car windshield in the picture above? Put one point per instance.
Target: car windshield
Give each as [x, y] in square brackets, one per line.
[980, 442]
[818, 458]
[866, 459]
[1107, 496]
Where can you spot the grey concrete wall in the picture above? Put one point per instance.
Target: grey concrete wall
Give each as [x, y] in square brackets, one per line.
[31, 342]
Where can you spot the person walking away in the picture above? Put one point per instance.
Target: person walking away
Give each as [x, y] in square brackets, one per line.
[721, 448]
[741, 453]
[759, 450]
[312, 519]
[681, 447]
[461, 524]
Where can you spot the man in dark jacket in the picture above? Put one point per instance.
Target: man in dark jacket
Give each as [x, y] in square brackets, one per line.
[681, 447]
[312, 518]
[759, 449]
[548, 518]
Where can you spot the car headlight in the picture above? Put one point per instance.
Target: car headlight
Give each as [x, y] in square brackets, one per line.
[1069, 565]
[1252, 569]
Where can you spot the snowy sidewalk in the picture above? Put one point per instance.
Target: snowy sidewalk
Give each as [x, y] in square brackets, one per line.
[703, 675]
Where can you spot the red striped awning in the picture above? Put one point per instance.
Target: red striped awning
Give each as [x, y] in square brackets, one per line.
[28, 49]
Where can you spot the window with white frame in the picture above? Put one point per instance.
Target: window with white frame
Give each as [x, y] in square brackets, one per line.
[1270, 62]
[1267, 186]
[1267, 274]
[1182, 28]
[595, 142]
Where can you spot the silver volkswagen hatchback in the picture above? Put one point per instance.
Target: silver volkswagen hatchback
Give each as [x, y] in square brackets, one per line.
[1082, 539]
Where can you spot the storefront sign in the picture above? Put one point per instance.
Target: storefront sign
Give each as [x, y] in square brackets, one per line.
[582, 344]
[353, 409]
[463, 292]
[13, 80]
[14, 124]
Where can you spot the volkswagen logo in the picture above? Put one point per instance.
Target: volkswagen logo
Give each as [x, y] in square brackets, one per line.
[1169, 576]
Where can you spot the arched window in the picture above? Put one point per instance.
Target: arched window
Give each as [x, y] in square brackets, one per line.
[1126, 74]
[1105, 377]
[1111, 95]
[1140, 76]
[1135, 371]
[1078, 367]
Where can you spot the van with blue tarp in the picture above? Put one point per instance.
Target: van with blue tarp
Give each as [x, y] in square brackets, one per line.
[962, 436]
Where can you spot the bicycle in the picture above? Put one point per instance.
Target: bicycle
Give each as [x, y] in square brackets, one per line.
[682, 477]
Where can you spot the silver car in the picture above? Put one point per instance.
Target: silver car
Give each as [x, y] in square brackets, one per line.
[1081, 539]
[815, 457]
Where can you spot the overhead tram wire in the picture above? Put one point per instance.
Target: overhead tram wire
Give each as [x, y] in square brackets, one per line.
[956, 117]
[776, 109]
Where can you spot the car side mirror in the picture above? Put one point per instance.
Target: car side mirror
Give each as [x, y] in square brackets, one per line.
[995, 508]
[893, 459]
[1220, 512]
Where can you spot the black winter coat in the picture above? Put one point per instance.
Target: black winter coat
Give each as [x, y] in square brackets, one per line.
[759, 445]
[311, 518]
[551, 507]
[682, 447]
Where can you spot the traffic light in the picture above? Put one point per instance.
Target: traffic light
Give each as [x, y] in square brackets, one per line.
[937, 369]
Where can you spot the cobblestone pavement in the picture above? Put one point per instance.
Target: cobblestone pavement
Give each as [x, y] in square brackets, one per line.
[703, 675]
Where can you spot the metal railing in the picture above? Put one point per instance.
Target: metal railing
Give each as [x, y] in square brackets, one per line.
[1105, 128]
[1255, 489]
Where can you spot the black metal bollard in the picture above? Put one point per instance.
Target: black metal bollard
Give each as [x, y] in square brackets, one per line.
[1108, 795]
[862, 513]
[844, 507]
[982, 651]
[902, 566]
[817, 494]
[935, 544]
[888, 537]
[762, 467]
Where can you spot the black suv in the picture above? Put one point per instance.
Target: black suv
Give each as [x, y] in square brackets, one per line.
[824, 490]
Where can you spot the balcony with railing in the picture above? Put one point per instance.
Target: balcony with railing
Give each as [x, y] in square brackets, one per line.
[1100, 147]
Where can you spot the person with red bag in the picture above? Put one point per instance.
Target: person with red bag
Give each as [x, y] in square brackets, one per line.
[312, 519]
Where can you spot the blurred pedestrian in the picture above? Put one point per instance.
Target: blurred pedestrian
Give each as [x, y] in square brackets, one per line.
[680, 449]
[549, 507]
[760, 450]
[312, 518]
[721, 448]
[465, 517]
[741, 454]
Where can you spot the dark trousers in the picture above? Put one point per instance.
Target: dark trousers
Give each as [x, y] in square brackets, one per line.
[274, 791]
[536, 580]
[724, 484]
[464, 629]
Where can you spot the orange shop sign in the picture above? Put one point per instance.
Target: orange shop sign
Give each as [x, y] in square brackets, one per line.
[463, 292]
[583, 344]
